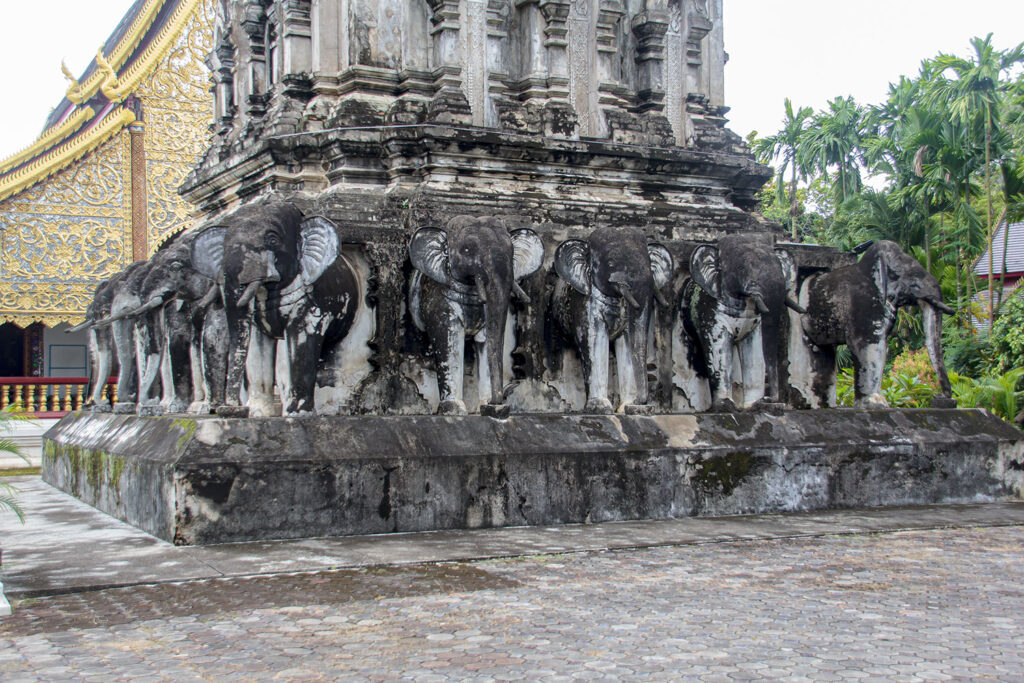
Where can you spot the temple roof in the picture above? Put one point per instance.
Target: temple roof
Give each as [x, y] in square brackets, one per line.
[99, 103]
[1014, 251]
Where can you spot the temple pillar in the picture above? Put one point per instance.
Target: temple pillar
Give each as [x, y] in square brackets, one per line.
[449, 104]
[556, 31]
[296, 38]
[649, 28]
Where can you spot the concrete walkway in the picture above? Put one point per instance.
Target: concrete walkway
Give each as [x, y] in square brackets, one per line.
[66, 546]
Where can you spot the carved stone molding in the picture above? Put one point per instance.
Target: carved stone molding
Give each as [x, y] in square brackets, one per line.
[649, 28]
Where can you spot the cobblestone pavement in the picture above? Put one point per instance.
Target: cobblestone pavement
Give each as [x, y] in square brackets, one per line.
[919, 605]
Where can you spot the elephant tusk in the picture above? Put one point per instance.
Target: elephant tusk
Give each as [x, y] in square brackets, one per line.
[759, 304]
[249, 293]
[938, 305]
[80, 327]
[481, 290]
[795, 306]
[209, 297]
[520, 294]
[624, 290]
[661, 298]
[145, 308]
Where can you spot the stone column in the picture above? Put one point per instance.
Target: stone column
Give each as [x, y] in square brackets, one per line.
[556, 32]
[253, 22]
[326, 32]
[221, 63]
[675, 75]
[715, 56]
[499, 67]
[650, 27]
[296, 38]
[610, 12]
[449, 104]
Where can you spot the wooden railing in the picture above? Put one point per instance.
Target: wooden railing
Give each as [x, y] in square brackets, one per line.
[49, 396]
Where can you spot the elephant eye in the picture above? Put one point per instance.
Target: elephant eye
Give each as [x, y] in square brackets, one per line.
[273, 240]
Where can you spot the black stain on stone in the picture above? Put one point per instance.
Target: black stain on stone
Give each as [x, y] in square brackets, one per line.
[725, 472]
[384, 509]
[215, 486]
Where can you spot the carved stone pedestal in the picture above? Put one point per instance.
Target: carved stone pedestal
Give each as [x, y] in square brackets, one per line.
[215, 480]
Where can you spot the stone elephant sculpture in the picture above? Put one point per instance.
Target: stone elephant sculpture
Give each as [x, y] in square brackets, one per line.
[735, 311]
[465, 276]
[191, 329]
[856, 305]
[133, 339]
[102, 353]
[281, 277]
[610, 282]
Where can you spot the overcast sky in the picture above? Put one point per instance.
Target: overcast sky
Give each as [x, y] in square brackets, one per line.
[809, 50]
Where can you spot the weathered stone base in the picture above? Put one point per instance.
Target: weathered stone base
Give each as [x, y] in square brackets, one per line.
[213, 480]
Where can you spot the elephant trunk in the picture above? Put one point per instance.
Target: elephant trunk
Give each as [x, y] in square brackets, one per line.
[636, 340]
[932, 318]
[249, 293]
[495, 313]
[626, 292]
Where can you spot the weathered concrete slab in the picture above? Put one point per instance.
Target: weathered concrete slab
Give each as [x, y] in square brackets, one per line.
[215, 480]
[67, 546]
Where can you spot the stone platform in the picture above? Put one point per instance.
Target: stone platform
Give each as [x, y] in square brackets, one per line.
[214, 480]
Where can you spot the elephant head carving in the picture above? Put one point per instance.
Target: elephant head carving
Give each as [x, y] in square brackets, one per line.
[856, 305]
[736, 310]
[465, 276]
[282, 275]
[614, 278]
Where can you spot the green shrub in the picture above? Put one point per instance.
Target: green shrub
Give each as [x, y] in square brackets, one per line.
[9, 417]
[999, 393]
[1007, 336]
[900, 389]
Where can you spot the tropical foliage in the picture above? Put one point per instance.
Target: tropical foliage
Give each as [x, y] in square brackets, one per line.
[9, 417]
[936, 168]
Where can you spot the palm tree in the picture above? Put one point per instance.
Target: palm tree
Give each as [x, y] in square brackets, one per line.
[835, 140]
[784, 145]
[974, 96]
[9, 416]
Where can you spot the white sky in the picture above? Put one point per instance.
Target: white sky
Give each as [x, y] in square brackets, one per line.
[809, 50]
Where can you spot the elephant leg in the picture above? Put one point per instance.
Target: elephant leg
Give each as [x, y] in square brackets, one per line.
[450, 354]
[483, 368]
[214, 360]
[148, 355]
[624, 370]
[127, 380]
[719, 345]
[597, 353]
[868, 366]
[260, 374]
[752, 368]
[101, 348]
[303, 343]
[177, 378]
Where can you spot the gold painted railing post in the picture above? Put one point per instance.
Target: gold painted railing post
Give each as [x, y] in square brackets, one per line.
[79, 390]
[30, 398]
[66, 405]
[20, 394]
[3, 395]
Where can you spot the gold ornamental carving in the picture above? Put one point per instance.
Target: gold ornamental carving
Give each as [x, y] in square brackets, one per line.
[60, 237]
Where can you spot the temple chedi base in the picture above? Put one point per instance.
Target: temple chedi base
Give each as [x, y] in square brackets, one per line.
[587, 140]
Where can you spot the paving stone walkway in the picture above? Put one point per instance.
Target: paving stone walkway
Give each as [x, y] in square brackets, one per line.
[942, 604]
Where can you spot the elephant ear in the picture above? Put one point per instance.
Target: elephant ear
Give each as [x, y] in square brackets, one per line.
[788, 267]
[527, 253]
[318, 248]
[207, 252]
[428, 251]
[661, 264]
[572, 263]
[705, 271]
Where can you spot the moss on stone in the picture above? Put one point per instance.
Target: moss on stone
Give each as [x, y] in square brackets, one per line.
[724, 472]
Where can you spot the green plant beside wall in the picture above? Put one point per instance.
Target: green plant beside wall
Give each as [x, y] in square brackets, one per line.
[9, 419]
